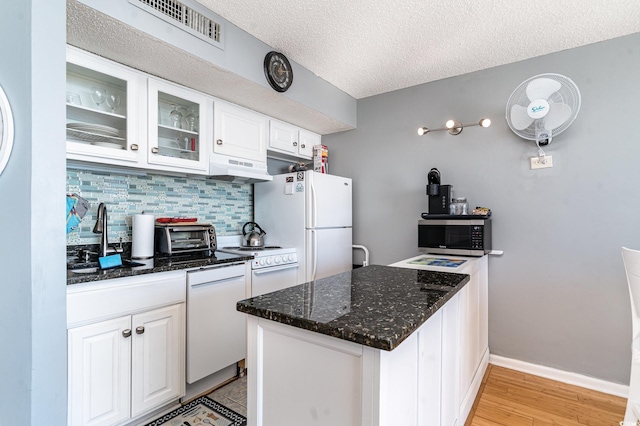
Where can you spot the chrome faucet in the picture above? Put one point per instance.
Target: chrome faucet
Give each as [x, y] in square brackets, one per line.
[101, 228]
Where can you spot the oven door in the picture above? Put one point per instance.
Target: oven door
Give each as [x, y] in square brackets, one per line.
[274, 278]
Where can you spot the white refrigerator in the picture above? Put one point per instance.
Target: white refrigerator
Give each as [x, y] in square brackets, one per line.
[311, 212]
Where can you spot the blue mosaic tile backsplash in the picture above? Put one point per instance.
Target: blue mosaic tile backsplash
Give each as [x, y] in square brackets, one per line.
[226, 205]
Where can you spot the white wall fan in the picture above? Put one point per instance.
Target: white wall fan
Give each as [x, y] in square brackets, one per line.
[542, 107]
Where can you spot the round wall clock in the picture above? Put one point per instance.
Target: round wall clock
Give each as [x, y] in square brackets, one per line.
[278, 71]
[6, 130]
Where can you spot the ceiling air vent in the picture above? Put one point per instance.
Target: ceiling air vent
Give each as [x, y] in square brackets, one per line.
[184, 17]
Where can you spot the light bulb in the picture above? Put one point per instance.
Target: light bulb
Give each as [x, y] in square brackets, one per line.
[423, 131]
[485, 122]
[450, 124]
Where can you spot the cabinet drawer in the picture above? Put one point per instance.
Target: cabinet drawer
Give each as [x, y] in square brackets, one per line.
[91, 302]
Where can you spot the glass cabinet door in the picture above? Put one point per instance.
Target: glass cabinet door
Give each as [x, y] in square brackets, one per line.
[101, 107]
[177, 126]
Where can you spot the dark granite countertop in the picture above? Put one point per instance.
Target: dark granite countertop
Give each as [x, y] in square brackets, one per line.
[376, 306]
[157, 264]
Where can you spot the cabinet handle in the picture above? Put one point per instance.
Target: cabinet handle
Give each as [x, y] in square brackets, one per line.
[219, 141]
[134, 147]
[155, 150]
[140, 329]
[126, 333]
[295, 144]
[302, 146]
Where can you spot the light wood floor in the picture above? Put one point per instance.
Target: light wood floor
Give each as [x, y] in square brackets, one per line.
[512, 398]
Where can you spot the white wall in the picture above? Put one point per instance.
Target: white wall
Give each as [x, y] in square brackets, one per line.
[32, 240]
[558, 295]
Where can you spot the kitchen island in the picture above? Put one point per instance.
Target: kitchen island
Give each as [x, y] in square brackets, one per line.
[375, 346]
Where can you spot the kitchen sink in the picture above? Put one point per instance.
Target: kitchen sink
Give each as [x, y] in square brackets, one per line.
[93, 267]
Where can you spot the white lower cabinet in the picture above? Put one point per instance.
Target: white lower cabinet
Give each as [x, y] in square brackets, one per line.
[155, 354]
[99, 373]
[123, 365]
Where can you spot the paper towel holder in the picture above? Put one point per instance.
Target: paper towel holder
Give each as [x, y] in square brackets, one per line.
[142, 236]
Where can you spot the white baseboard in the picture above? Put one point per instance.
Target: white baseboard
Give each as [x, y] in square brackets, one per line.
[561, 376]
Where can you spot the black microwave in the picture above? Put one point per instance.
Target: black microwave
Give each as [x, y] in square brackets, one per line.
[459, 237]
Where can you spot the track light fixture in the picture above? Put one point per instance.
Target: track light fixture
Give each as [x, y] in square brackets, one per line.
[454, 127]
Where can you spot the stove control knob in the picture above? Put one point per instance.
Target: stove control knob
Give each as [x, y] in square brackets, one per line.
[268, 261]
[277, 259]
[262, 262]
[291, 259]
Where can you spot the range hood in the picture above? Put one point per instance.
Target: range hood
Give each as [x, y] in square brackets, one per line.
[231, 169]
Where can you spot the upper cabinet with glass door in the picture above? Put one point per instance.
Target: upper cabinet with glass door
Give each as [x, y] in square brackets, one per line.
[102, 122]
[177, 134]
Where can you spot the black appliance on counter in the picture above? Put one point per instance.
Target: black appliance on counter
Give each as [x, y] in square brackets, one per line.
[462, 236]
[439, 195]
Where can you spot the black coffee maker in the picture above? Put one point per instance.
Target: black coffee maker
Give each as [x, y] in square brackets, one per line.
[439, 195]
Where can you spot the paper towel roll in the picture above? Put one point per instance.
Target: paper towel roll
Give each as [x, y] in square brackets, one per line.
[143, 228]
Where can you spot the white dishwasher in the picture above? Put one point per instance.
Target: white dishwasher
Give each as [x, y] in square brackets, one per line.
[216, 332]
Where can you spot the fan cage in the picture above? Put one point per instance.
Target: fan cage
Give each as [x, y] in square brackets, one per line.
[567, 94]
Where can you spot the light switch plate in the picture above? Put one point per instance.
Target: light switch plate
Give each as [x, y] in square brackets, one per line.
[537, 162]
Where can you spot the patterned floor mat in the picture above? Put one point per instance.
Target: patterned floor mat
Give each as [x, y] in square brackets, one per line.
[202, 411]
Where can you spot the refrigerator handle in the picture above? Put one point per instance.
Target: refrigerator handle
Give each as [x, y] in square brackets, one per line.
[314, 207]
[314, 254]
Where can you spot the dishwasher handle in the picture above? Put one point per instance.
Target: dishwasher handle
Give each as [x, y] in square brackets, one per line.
[216, 282]
[274, 269]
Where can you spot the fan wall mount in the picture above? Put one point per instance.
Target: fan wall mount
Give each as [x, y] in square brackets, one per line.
[542, 107]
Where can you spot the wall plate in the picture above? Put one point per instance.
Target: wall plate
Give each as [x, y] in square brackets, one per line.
[541, 162]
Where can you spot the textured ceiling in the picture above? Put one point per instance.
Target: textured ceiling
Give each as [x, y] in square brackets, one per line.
[368, 47]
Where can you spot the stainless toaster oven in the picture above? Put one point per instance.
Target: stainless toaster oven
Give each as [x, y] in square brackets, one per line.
[174, 238]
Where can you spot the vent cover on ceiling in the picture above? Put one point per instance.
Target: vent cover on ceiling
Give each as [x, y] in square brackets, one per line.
[184, 17]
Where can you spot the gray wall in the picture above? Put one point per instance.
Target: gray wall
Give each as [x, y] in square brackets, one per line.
[32, 242]
[558, 295]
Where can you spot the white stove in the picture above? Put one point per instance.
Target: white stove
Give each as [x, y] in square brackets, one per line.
[273, 268]
[267, 256]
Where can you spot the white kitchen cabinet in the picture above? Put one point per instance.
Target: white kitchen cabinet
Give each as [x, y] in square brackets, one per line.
[285, 138]
[156, 357]
[307, 140]
[100, 373]
[123, 367]
[178, 126]
[239, 132]
[126, 343]
[96, 131]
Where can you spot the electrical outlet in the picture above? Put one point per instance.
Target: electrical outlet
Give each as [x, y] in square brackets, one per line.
[537, 162]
